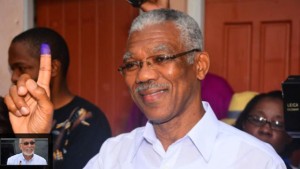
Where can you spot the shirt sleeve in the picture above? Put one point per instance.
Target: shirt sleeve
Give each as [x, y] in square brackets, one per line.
[94, 163]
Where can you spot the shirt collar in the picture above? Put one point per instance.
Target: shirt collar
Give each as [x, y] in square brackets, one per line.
[24, 159]
[146, 134]
[203, 134]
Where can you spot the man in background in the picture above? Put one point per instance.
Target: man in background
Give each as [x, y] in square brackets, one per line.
[27, 156]
[79, 127]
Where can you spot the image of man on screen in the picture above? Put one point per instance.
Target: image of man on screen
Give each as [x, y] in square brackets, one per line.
[27, 156]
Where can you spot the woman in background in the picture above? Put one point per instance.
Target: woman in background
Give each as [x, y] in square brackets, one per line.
[263, 117]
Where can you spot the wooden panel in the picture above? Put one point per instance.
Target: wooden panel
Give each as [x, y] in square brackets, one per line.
[106, 74]
[238, 54]
[72, 35]
[122, 25]
[96, 32]
[275, 54]
[88, 49]
[274, 48]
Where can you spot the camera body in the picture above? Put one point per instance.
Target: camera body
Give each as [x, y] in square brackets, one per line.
[291, 99]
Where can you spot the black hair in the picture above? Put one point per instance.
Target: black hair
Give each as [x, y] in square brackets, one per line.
[36, 36]
[276, 94]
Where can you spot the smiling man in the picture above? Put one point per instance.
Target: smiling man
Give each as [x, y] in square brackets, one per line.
[27, 156]
[163, 67]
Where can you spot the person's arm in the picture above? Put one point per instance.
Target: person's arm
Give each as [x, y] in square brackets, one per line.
[29, 102]
[149, 5]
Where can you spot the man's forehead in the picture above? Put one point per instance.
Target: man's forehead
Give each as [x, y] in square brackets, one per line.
[27, 139]
[151, 50]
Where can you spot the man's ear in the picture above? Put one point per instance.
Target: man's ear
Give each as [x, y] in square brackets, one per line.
[55, 68]
[202, 64]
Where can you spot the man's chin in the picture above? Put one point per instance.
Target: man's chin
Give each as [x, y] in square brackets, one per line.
[28, 154]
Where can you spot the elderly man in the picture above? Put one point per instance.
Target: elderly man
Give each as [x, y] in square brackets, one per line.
[163, 68]
[27, 156]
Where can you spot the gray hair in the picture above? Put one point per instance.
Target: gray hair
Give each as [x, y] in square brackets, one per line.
[190, 33]
[20, 139]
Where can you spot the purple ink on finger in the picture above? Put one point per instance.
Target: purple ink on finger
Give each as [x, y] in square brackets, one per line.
[45, 49]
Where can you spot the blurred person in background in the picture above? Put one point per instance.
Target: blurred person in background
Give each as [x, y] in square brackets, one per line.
[263, 117]
[79, 127]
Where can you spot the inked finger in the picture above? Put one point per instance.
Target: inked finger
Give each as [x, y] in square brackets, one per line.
[45, 67]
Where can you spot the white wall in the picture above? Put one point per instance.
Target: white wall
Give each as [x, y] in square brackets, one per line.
[16, 16]
[196, 9]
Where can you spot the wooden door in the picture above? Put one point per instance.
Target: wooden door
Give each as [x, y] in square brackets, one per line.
[254, 44]
[96, 32]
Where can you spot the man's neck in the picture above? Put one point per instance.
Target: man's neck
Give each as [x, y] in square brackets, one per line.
[176, 128]
[27, 158]
[60, 96]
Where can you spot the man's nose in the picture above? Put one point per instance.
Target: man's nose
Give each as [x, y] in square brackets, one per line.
[266, 128]
[146, 72]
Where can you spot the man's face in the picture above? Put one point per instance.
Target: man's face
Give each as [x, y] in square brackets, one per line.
[164, 92]
[27, 146]
[21, 61]
[272, 110]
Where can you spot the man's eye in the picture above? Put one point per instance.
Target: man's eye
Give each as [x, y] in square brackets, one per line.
[278, 124]
[161, 59]
[21, 69]
[261, 119]
[130, 65]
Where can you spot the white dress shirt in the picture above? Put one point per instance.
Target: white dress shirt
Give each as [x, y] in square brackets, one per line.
[19, 159]
[210, 144]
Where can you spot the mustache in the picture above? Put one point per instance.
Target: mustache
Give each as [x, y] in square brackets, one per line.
[146, 86]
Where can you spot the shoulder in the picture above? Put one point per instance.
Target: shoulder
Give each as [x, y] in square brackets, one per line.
[15, 156]
[81, 102]
[117, 149]
[235, 136]
[40, 159]
[245, 145]
[123, 145]
[13, 159]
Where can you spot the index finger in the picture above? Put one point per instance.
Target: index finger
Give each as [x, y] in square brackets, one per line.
[45, 68]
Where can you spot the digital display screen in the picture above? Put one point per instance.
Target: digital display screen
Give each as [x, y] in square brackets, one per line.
[26, 151]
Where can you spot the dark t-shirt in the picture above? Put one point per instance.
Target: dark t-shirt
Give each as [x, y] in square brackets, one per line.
[5, 126]
[82, 128]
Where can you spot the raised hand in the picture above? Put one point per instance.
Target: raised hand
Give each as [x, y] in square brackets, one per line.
[29, 102]
[155, 4]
